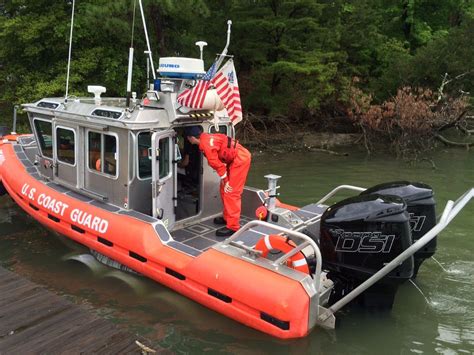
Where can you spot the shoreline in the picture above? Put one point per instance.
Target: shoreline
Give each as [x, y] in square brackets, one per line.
[325, 142]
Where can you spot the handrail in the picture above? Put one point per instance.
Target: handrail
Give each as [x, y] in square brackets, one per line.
[311, 242]
[339, 188]
[450, 211]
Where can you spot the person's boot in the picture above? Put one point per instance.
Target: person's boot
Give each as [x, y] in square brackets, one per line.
[220, 221]
[224, 232]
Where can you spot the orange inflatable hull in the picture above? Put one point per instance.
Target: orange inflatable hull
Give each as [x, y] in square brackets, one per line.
[240, 290]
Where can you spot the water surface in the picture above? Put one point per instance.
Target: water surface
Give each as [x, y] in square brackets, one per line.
[439, 319]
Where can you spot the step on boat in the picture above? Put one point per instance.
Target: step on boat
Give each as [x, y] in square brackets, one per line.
[105, 173]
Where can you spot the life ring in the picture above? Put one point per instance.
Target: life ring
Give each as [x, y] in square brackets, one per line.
[285, 245]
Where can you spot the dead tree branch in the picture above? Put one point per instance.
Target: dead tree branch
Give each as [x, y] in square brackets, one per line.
[452, 143]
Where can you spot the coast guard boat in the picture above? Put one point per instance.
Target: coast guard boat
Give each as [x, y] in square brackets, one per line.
[105, 173]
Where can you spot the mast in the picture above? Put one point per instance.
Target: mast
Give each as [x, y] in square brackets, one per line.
[70, 50]
[130, 58]
[147, 40]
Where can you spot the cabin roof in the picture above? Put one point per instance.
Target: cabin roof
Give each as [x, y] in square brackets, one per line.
[110, 111]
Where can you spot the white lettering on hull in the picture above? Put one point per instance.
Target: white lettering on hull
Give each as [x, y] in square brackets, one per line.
[87, 220]
[58, 207]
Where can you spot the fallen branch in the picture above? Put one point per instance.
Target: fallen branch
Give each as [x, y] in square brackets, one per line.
[453, 123]
[446, 81]
[465, 130]
[433, 165]
[145, 349]
[452, 143]
[328, 151]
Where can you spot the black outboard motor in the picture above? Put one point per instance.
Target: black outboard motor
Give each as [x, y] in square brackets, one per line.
[422, 209]
[359, 236]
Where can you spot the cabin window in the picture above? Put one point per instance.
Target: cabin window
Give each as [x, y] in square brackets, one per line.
[44, 131]
[102, 153]
[164, 158]
[144, 159]
[106, 113]
[65, 145]
[47, 104]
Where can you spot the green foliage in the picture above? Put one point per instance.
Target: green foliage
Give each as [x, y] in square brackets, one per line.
[295, 58]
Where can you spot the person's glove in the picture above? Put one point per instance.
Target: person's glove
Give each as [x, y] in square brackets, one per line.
[227, 187]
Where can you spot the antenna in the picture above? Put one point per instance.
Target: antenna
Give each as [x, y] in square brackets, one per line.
[224, 52]
[70, 49]
[130, 58]
[147, 40]
[201, 45]
[147, 71]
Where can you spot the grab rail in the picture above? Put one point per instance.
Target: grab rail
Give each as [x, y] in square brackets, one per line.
[307, 242]
[339, 188]
[450, 211]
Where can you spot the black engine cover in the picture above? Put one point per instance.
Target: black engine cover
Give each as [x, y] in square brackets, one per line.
[361, 234]
[421, 206]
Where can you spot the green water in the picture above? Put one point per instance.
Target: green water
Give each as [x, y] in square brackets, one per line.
[439, 319]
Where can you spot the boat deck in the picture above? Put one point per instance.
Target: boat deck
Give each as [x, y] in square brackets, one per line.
[192, 239]
[202, 235]
[34, 320]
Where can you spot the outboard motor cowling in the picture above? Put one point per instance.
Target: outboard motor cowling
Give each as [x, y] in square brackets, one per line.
[359, 236]
[421, 206]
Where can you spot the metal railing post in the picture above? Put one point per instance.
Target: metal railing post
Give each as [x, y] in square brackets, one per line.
[15, 109]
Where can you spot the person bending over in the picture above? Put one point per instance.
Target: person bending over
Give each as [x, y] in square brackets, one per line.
[231, 161]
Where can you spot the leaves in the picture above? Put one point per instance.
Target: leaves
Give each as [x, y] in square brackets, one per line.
[295, 58]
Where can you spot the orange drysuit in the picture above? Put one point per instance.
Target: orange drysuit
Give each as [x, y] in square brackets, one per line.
[232, 163]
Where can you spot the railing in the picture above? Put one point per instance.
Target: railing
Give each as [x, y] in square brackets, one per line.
[450, 211]
[280, 261]
[339, 188]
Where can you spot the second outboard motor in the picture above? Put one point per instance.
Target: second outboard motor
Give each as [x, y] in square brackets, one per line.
[359, 236]
[422, 209]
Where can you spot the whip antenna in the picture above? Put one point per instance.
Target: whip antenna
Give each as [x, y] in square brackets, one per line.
[224, 52]
[130, 57]
[147, 40]
[70, 49]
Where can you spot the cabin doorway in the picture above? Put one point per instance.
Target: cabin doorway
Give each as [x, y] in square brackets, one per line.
[189, 176]
[163, 156]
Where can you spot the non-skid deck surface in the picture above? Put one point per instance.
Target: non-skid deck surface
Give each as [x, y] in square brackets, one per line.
[202, 235]
[34, 320]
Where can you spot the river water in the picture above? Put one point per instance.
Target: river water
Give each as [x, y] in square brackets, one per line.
[436, 316]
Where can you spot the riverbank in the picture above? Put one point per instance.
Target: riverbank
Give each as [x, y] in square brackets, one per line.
[325, 142]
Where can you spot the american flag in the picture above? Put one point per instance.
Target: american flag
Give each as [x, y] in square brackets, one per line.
[227, 89]
[194, 98]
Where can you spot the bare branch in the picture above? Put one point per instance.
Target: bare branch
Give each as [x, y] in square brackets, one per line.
[452, 143]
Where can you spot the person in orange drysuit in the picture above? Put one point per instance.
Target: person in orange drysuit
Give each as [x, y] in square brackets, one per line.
[231, 161]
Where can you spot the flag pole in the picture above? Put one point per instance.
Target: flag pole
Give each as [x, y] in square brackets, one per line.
[224, 52]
